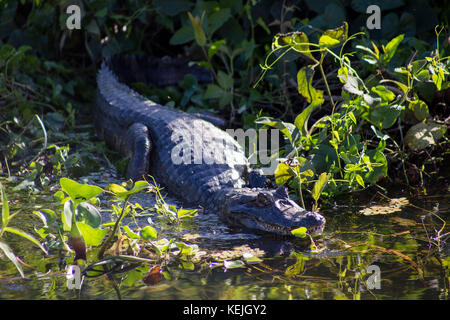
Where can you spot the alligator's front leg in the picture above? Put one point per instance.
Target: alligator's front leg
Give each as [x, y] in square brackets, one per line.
[137, 146]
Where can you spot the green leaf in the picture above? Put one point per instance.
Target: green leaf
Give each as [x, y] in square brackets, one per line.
[360, 180]
[25, 235]
[286, 128]
[385, 94]
[224, 80]
[213, 91]
[333, 37]
[420, 109]
[391, 48]
[301, 120]
[148, 233]
[5, 207]
[90, 214]
[130, 233]
[199, 34]
[299, 232]
[217, 19]
[182, 36]
[304, 83]
[123, 193]
[283, 173]
[91, 236]
[79, 192]
[320, 184]
[422, 135]
[11, 256]
[296, 40]
[67, 215]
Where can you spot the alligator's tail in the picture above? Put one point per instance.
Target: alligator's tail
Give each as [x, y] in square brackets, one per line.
[156, 71]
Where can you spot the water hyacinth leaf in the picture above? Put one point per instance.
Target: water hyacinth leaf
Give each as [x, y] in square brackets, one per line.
[79, 192]
[148, 233]
[320, 185]
[123, 193]
[92, 236]
[90, 214]
[12, 257]
[67, 215]
[299, 232]
[25, 235]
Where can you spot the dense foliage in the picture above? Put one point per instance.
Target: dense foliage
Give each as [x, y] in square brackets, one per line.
[357, 108]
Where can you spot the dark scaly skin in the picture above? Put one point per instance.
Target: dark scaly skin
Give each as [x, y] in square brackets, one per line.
[148, 132]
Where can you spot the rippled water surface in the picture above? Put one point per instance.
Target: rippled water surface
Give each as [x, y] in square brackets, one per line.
[372, 248]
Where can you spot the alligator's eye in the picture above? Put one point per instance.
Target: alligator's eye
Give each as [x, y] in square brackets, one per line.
[262, 200]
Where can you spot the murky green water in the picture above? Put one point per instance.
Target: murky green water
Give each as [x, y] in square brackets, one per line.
[384, 256]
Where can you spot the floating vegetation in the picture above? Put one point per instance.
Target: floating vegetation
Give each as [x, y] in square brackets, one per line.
[394, 205]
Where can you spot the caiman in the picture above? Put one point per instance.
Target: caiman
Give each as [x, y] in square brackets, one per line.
[151, 134]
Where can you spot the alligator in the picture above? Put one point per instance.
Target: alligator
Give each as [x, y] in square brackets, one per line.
[156, 137]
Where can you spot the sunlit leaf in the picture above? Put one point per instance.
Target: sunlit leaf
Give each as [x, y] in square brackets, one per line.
[11, 256]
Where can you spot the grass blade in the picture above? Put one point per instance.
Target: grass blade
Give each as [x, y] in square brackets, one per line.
[26, 236]
[5, 207]
[11, 256]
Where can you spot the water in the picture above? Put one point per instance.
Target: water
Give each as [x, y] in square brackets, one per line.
[384, 256]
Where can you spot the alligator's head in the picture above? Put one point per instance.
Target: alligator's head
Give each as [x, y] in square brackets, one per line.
[271, 211]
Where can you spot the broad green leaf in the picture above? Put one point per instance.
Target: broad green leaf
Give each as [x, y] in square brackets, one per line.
[123, 193]
[385, 94]
[283, 173]
[47, 216]
[299, 232]
[320, 184]
[422, 135]
[79, 192]
[217, 19]
[224, 80]
[90, 214]
[148, 233]
[420, 109]
[182, 35]
[11, 256]
[334, 37]
[213, 91]
[91, 236]
[304, 83]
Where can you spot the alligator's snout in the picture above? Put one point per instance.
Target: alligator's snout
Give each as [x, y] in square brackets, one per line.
[271, 211]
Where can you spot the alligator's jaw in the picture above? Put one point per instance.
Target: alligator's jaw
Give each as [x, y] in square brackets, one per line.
[271, 211]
